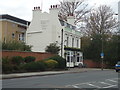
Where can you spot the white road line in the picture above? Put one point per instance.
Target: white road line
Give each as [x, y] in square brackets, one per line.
[91, 83]
[94, 85]
[75, 86]
[84, 83]
[106, 83]
[112, 80]
[110, 86]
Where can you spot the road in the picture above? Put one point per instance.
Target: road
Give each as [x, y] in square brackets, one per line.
[89, 79]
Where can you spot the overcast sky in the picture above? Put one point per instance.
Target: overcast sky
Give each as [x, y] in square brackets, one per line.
[23, 8]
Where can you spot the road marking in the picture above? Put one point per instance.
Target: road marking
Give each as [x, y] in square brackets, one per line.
[94, 85]
[110, 86]
[105, 83]
[111, 80]
[75, 86]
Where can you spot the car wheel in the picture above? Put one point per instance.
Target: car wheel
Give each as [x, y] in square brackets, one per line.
[80, 65]
[116, 70]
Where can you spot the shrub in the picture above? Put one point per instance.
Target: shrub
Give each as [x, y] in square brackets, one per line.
[15, 45]
[29, 59]
[34, 66]
[6, 65]
[52, 48]
[51, 64]
[61, 61]
[17, 60]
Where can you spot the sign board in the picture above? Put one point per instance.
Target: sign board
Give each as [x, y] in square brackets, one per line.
[102, 55]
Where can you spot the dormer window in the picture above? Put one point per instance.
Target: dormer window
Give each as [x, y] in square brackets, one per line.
[71, 26]
[65, 24]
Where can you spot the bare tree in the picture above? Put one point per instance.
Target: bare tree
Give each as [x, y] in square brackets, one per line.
[75, 8]
[101, 21]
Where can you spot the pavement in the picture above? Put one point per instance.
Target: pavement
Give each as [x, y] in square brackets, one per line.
[70, 70]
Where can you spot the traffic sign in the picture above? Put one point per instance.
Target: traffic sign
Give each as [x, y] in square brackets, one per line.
[102, 55]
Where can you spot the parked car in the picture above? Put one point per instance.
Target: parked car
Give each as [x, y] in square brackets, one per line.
[117, 66]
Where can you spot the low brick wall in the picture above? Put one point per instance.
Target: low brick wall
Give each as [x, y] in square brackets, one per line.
[38, 55]
[92, 64]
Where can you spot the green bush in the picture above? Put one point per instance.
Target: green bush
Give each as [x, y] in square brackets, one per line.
[6, 65]
[61, 61]
[29, 59]
[15, 45]
[17, 60]
[51, 64]
[34, 66]
[52, 48]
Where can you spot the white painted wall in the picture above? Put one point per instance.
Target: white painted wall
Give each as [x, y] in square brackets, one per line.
[45, 28]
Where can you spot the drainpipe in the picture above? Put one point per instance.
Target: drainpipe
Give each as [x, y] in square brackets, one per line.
[62, 43]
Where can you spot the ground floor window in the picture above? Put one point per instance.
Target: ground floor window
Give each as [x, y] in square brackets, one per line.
[73, 58]
[68, 56]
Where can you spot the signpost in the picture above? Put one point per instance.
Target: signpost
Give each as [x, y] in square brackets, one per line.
[102, 56]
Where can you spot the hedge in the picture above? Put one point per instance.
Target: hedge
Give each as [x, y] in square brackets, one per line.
[29, 59]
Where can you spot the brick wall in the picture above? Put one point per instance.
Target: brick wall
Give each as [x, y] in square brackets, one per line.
[92, 64]
[38, 55]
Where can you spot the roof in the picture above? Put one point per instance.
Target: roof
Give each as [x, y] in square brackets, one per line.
[15, 19]
[67, 24]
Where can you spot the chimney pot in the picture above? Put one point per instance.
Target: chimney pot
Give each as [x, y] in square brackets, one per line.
[39, 8]
[51, 6]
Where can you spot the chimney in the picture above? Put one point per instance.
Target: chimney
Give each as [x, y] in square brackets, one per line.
[36, 12]
[71, 19]
[54, 9]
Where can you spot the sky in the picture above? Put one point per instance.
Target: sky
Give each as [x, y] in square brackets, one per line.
[23, 8]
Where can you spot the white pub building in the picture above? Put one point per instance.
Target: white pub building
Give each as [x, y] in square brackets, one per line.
[46, 28]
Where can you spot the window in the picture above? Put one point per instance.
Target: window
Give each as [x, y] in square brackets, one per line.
[72, 42]
[13, 35]
[78, 57]
[77, 43]
[21, 37]
[68, 56]
[67, 41]
[71, 26]
[65, 24]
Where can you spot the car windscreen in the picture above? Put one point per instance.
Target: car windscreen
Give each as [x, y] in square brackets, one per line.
[118, 63]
